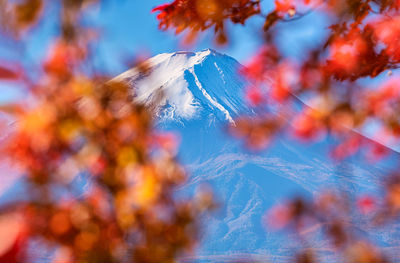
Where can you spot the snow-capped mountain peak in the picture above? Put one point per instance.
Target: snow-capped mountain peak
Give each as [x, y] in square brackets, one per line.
[188, 85]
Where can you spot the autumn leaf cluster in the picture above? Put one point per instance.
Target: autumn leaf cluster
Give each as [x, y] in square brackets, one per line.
[99, 181]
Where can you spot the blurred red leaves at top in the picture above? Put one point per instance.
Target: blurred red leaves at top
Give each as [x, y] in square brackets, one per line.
[265, 59]
[354, 53]
[200, 15]
[267, 68]
[387, 31]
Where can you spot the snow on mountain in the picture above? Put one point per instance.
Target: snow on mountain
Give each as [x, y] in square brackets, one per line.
[187, 85]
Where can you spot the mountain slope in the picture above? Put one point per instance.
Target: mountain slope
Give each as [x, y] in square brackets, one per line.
[202, 93]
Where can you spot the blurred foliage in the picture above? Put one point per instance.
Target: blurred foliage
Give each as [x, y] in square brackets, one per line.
[78, 125]
[99, 181]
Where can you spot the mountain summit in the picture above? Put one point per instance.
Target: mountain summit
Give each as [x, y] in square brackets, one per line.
[188, 85]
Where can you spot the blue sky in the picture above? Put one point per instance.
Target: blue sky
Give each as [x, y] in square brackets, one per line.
[129, 28]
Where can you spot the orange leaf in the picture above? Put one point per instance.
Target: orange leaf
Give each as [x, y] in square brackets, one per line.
[12, 108]
[284, 5]
[12, 237]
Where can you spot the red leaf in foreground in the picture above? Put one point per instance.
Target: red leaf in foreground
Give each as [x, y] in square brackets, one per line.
[283, 5]
[160, 8]
[377, 152]
[278, 217]
[62, 57]
[98, 166]
[6, 73]
[12, 238]
[307, 127]
[167, 141]
[387, 31]
[347, 148]
[366, 204]
[280, 90]
[254, 96]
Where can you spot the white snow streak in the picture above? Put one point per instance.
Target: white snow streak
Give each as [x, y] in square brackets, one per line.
[220, 72]
[212, 100]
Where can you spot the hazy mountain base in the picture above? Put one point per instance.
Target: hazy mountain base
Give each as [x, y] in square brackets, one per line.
[247, 185]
